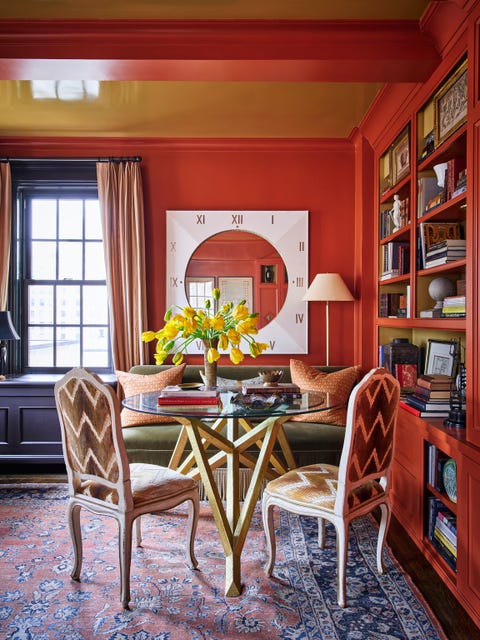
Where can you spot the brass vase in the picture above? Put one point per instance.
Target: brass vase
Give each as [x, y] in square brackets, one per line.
[210, 367]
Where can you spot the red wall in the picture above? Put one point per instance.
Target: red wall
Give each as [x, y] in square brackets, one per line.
[228, 174]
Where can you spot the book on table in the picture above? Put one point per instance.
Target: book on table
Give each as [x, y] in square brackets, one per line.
[191, 401]
[176, 390]
[176, 395]
[280, 387]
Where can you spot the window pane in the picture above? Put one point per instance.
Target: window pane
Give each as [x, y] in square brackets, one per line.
[70, 261]
[44, 219]
[68, 305]
[95, 309]
[63, 246]
[68, 347]
[40, 304]
[70, 219]
[40, 347]
[94, 261]
[95, 347]
[93, 224]
[43, 261]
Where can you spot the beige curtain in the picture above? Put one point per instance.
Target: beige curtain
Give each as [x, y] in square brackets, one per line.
[5, 230]
[121, 202]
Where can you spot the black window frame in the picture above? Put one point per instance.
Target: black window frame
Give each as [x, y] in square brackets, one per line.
[55, 179]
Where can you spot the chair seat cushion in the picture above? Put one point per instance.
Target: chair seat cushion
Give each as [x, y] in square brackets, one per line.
[316, 487]
[151, 483]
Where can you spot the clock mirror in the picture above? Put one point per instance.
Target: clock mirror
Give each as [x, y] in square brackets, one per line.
[259, 256]
[244, 266]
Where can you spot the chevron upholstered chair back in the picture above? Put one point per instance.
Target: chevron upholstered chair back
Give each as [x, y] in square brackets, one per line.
[369, 439]
[94, 453]
[357, 486]
[100, 477]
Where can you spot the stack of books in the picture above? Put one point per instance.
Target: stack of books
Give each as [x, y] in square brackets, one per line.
[174, 395]
[431, 398]
[443, 531]
[447, 250]
[272, 389]
[432, 233]
[454, 307]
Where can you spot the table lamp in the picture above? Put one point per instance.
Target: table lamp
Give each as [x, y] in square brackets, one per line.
[328, 287]
[7, 332]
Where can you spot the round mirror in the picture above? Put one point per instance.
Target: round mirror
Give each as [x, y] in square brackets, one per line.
[244, 266]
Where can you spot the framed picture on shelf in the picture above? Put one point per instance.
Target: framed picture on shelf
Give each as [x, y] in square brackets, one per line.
[401, 157]
[386, 181]
[450, 105]
[440, 357]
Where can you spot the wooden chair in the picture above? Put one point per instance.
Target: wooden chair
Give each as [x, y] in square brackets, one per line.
[359, 484]
[100, 477]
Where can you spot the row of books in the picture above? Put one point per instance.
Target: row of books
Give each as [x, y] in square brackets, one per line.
[394, 259]
[436, 460]
[386, 220]
[442, 530]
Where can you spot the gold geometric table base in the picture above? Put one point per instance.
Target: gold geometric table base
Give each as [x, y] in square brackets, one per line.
[232, 520]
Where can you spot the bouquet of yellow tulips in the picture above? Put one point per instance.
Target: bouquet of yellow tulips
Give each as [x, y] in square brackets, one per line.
[219, 327]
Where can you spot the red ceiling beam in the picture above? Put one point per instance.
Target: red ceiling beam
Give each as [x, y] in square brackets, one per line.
[376, 51]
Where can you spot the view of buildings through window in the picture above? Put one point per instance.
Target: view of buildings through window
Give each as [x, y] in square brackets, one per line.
[65, 285]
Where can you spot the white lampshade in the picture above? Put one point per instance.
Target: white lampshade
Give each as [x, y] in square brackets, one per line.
[329, 287]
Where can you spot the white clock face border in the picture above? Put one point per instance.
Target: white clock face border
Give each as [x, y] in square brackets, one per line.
[287, 231]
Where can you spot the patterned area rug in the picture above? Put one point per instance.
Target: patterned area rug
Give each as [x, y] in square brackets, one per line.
[170, 601]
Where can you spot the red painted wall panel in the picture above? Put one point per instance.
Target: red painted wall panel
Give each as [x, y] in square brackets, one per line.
[313, 175]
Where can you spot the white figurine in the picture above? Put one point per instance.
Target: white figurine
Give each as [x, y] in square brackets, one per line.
[396, 214]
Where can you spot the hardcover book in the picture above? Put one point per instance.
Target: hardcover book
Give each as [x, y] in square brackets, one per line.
[186, 400]
[406, 374]
[280, 387]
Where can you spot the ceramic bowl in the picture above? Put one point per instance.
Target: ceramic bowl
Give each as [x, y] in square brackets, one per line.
[271, 377]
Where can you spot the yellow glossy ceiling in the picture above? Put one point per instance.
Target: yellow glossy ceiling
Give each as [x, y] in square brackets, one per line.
[66, 104]
[215, 9]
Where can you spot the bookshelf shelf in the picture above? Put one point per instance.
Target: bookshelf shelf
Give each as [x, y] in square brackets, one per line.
[442, 497]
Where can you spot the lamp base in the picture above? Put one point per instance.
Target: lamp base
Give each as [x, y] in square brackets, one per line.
[456, 418]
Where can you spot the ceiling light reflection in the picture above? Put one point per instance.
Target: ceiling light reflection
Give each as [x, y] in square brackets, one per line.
[65, 90]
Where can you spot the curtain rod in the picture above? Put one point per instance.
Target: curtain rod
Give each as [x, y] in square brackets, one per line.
[111, 159]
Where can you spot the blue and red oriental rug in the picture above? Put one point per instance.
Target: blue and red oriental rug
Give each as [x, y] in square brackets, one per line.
[170, 601]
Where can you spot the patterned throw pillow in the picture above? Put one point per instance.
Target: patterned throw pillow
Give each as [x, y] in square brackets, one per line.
[233, 385]
[339, 382]
[133, 383]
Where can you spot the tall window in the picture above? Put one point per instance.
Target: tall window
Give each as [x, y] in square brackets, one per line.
[61, 290]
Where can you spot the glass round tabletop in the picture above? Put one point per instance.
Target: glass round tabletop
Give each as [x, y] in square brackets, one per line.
[232, 404]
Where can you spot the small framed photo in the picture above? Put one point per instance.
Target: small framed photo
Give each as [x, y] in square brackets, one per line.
[401, 157]
[450, 105]
[441, 357]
